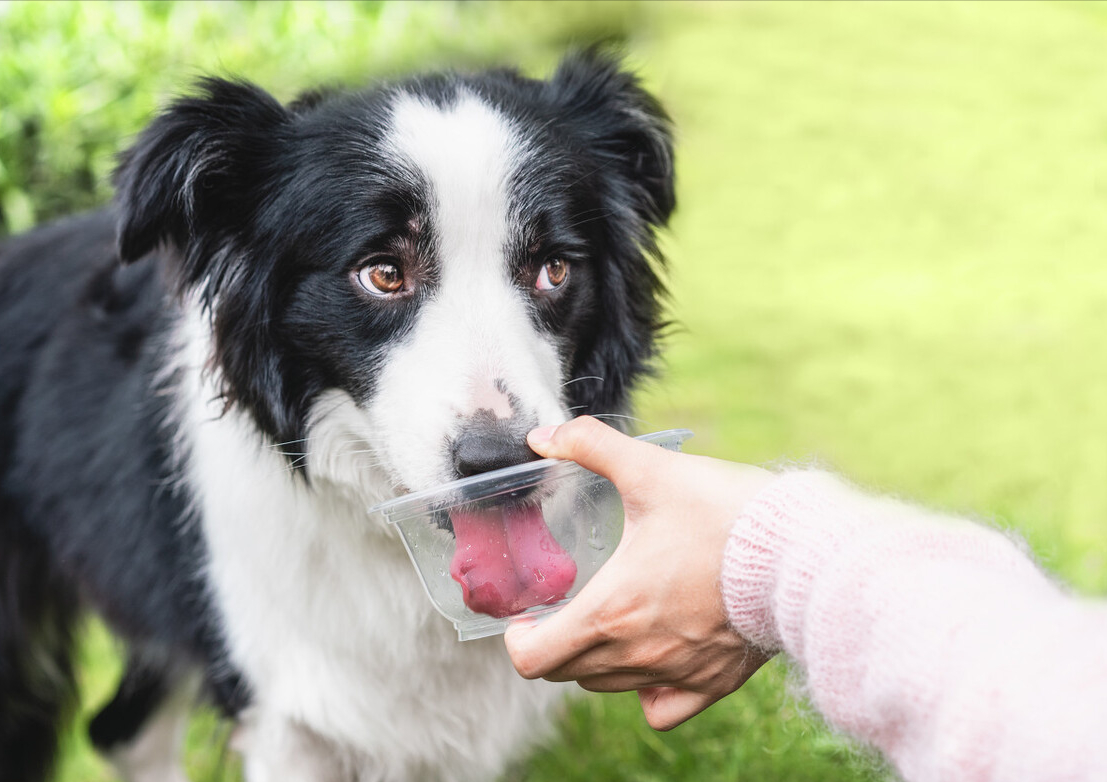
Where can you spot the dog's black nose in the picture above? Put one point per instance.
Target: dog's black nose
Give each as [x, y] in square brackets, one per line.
[489, 445]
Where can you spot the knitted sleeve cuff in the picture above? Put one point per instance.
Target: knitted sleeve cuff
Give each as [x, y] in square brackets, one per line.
[776, 547]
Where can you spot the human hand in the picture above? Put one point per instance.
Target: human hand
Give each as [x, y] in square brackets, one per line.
[652, 619]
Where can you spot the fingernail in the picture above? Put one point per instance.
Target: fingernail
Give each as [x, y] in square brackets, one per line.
[541, 435]
[530, 621]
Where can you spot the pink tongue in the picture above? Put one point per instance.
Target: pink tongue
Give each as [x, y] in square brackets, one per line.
[507, 560]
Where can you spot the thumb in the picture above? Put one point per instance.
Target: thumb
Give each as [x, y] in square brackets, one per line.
[597, 447]
[667, 707]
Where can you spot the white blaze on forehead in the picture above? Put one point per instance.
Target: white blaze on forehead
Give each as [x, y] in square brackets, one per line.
[474, 344]
[467, 153]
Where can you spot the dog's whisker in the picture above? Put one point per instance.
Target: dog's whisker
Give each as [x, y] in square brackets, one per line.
[583, 377]
[623, 417]
[287, 442]
[596, 170]
[591, 219]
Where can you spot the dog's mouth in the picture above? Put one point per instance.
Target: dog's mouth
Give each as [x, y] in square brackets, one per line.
[507, 560]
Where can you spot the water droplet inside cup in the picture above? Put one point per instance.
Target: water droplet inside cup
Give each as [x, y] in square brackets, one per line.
[594, 539]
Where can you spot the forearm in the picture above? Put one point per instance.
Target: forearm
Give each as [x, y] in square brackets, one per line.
[936, 640]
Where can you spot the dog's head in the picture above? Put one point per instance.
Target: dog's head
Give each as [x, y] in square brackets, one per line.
[423, 271]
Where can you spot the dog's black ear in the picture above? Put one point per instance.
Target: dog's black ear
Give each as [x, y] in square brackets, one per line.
[194, 183]
[625, 127]
[193, 177]
[626, 138]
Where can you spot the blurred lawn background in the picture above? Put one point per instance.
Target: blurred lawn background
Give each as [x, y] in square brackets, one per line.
[888, 257]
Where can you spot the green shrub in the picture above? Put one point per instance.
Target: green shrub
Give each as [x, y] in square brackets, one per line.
[77, 80]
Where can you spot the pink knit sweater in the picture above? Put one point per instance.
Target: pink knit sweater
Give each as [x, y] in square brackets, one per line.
[936, 640]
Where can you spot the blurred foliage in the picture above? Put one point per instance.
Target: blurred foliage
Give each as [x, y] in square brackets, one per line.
[78, 79]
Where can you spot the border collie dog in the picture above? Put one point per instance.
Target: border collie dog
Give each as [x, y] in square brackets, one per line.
[291, 313]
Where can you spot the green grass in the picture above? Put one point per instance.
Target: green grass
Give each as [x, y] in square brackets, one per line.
[888, 257]
[890, 254]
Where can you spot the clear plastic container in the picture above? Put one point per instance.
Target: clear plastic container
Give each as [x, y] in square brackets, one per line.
[518, 541]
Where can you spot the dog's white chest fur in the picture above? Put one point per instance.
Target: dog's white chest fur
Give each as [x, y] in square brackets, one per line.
[352, 672]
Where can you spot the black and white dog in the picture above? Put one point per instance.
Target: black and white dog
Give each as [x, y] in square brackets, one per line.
[290, 314]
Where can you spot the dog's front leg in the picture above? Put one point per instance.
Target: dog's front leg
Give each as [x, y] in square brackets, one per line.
[142, 730]
[274, 748]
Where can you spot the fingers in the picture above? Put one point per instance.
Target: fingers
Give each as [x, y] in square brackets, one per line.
[626, 681]
[538, 650]
[533, 654]
[667, 707]
[596, 447]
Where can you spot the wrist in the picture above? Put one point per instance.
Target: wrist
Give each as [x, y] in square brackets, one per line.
[775, 549]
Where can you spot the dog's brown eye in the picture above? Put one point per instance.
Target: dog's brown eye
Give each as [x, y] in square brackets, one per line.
[553, 274]
[381, 279]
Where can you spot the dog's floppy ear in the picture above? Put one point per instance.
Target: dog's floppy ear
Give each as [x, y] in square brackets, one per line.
[625, 127]
[627, 138]
[193, 176]
[194, 183]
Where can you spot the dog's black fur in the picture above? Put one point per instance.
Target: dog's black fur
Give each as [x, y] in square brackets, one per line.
[250, 208]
